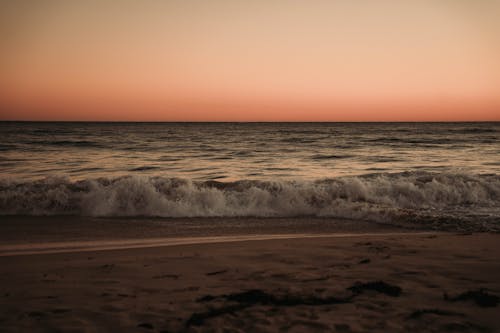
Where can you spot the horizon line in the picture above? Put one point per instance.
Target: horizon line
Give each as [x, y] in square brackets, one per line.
[246, 122]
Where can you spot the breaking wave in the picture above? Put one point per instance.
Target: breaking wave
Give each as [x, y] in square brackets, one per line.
[436, 200]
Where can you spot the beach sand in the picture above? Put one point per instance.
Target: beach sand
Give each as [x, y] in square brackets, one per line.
[345, 282]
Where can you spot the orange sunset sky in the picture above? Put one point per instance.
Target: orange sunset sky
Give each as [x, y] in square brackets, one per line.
[260, 60]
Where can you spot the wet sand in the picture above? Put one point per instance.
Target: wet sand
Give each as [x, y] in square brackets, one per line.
[383, 282]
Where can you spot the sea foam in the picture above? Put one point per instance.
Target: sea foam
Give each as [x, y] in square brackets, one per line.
[390, 198]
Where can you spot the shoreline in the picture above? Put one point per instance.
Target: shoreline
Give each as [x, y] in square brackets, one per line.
[43, 229]
[125, 244]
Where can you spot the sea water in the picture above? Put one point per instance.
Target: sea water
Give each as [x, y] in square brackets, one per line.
[441, 174]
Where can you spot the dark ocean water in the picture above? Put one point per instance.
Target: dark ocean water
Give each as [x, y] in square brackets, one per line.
[445, 173]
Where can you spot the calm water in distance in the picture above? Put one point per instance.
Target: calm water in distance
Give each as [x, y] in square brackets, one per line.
[235, 151]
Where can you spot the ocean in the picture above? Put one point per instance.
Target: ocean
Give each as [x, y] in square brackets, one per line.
[441, 175]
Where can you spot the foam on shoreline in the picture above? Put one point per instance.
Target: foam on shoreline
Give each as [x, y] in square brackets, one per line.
[438, 199]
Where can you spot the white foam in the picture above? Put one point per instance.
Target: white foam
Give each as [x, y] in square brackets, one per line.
[381, 197]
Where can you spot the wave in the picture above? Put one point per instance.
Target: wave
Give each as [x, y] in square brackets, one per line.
[475, 130]
[68, 143]
[436, 200]
[330, 157]
[144, 168]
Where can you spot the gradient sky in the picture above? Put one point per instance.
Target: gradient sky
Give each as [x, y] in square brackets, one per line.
[260, 60]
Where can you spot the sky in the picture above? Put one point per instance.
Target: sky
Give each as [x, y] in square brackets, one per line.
[259, 60]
